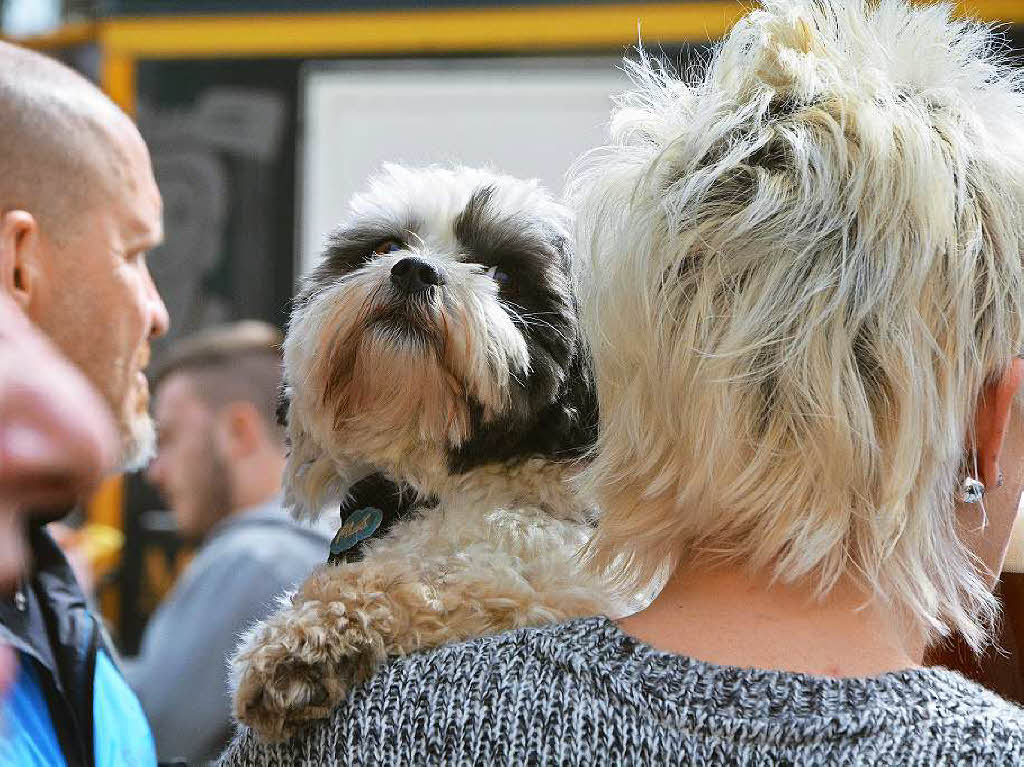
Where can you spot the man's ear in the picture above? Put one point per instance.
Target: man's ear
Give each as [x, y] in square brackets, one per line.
[240, 428]
[19, 255]
[992, 418]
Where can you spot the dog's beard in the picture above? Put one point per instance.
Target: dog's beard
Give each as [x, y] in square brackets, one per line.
[392, 374]
[395, 373]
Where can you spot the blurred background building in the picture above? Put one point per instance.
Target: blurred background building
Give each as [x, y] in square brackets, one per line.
[263, 116]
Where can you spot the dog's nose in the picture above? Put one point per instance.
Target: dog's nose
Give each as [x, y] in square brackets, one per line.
[412, 275]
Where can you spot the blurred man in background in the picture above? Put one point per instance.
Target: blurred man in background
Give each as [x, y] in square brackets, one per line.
[219, 463]
[79, 209]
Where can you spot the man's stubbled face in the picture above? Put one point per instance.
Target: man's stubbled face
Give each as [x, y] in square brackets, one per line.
[98, 302]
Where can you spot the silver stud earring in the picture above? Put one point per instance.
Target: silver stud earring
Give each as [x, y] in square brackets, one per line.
[971, 490]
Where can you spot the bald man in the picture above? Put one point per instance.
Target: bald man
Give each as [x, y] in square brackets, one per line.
[79, 209]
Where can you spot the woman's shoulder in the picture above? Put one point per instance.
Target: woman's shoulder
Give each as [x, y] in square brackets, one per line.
[584, 689]
[412, 706]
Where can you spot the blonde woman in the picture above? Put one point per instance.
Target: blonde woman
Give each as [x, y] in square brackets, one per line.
[803, 288]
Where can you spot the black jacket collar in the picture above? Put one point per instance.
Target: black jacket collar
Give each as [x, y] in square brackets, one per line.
[50, 622]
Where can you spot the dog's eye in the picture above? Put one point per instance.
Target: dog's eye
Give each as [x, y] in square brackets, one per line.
[499, 276]
[387, 246]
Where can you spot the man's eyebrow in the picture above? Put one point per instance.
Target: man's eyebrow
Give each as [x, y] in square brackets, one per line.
[144, 232]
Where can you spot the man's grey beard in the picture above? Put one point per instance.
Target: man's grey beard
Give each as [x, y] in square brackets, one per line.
[139, 444]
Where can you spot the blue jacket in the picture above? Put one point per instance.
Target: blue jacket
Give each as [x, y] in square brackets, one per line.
[69, 705]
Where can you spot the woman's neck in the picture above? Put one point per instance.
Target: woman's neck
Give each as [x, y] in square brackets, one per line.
[731, 618]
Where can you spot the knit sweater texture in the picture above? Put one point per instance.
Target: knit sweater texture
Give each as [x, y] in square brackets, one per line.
[584, 692]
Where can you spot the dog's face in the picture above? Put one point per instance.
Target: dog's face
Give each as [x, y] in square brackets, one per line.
[438, 334]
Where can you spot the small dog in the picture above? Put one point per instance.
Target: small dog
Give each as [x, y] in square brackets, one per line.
[435, 347]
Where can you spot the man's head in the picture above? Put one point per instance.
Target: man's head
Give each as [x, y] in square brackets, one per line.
[79, 209]
[220, 446]
[803, 275]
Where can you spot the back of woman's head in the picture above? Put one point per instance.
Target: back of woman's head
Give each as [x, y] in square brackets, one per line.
[797, 272]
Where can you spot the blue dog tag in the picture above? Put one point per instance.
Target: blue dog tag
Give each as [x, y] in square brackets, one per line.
[358, 526]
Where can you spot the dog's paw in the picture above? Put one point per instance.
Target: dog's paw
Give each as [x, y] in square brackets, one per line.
[295, 667]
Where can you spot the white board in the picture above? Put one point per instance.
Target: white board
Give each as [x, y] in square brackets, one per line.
[525, 116]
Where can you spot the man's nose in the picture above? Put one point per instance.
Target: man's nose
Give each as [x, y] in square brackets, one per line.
[160, 320]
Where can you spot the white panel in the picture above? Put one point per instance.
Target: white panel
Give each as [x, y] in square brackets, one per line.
[527, 117]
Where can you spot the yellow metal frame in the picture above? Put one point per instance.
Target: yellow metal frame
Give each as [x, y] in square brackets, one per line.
[124, 41]
[555, 27]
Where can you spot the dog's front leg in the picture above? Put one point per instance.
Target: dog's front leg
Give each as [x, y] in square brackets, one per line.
[296, 665]
[344, 621]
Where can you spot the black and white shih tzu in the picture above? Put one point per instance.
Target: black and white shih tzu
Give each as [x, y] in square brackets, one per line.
[437, 389]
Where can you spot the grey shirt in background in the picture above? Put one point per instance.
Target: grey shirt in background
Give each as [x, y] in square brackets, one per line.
[180, 674]
[585, 693]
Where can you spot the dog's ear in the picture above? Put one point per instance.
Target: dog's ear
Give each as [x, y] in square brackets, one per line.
[556, 417]
[283, 401]
[579, 390]
[564, 430]
[579, 402]
[308, 473]
[568, 427]
[314, 479]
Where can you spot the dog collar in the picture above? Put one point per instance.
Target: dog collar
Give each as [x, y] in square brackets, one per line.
[355, 528]
[374, 505]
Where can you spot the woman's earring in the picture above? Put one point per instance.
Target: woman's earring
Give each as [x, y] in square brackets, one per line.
[971, 490]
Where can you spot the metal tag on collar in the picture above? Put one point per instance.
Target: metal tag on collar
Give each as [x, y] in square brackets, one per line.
[357, 527]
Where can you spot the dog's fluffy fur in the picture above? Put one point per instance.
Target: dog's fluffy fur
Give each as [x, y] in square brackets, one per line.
[475, 392]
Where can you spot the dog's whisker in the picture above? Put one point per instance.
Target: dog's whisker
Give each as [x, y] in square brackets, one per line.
[547, 325]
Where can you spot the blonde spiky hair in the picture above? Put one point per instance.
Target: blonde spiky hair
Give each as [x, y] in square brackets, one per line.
[797, 273]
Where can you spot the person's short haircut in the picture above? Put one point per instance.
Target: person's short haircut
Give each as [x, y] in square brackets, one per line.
[57, 146]
[237, 362]
[798, 269]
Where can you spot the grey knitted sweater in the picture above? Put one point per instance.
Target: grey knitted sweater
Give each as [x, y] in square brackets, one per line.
[584, 692]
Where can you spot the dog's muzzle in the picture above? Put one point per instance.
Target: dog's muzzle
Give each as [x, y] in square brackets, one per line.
[408, 311]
